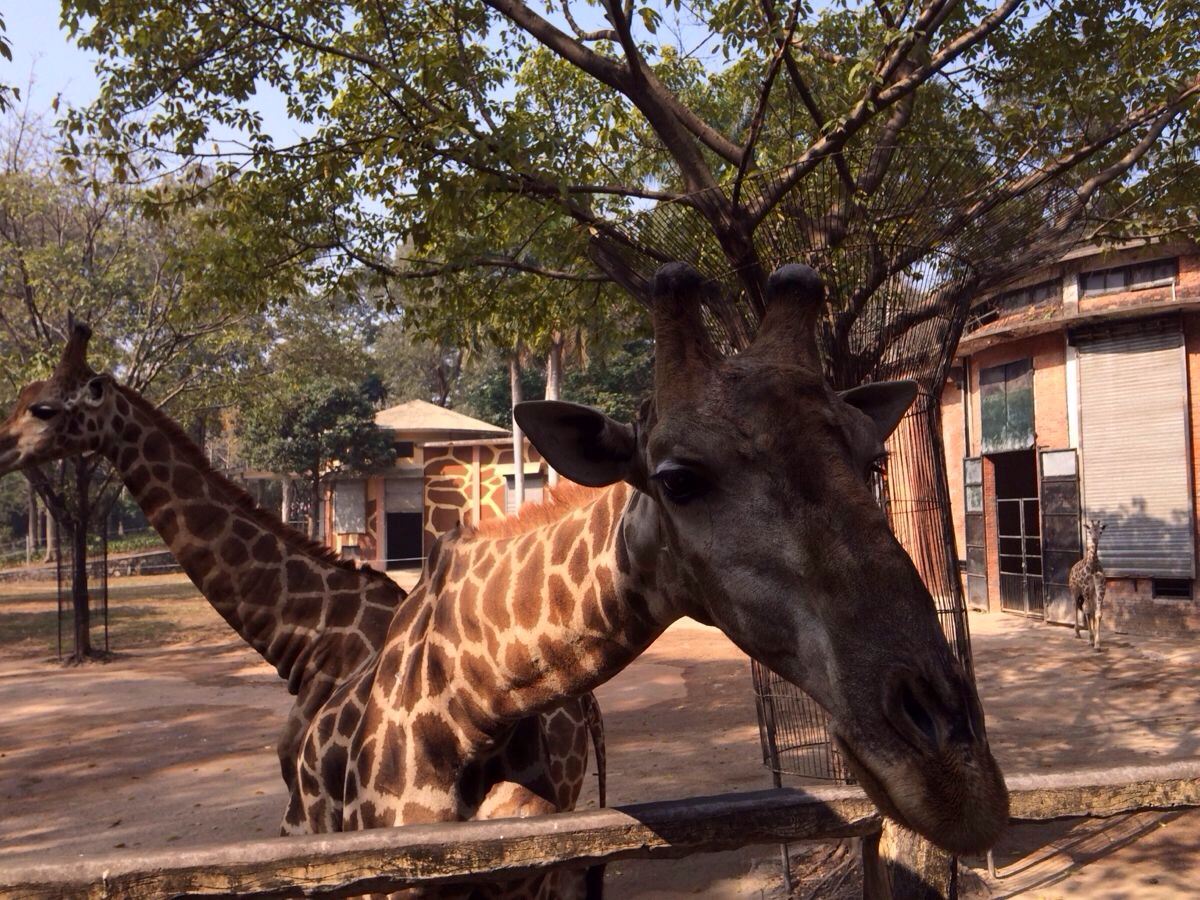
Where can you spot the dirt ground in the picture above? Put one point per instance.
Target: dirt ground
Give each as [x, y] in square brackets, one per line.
[172, 744]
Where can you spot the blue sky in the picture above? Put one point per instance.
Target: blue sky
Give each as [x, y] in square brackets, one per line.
[41, 49]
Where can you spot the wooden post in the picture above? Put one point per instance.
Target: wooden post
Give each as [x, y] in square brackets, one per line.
[899, 864]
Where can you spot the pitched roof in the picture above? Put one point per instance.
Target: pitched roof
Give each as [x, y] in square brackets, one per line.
[417, 415]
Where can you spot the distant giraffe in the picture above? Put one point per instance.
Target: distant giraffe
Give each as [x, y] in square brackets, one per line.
[1088, 584]
[317, 619]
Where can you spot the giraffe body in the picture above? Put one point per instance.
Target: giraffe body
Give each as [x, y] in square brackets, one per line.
[1087, 584]
[318, 620]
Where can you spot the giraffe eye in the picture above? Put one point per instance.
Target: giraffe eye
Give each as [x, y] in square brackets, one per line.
[43, 411]
[679, 484]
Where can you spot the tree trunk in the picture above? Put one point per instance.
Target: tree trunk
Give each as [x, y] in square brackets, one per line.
[51, 530]
[31, 529]
[285, 502]
[514, 380]
[554, 375]
[79, 571]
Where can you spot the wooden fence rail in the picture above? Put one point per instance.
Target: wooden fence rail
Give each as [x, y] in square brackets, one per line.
[349, 864]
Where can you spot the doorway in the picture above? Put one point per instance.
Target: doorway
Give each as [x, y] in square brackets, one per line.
[1019, 533]
[404, 540]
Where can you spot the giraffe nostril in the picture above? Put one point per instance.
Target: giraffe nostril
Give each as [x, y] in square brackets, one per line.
[918, 716]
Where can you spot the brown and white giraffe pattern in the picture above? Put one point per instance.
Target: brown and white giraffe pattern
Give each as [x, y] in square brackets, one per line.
[316, 619]
[443, 726]
[1088, 584]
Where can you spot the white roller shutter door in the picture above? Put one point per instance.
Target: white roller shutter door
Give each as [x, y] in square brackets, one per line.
[1134, 442]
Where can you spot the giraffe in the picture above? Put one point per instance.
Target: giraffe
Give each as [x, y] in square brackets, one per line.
[1088, 584]
[740, 498]
[316, 619]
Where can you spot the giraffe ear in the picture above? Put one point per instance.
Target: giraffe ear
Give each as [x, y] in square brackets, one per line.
[581, 443]
[885, 402]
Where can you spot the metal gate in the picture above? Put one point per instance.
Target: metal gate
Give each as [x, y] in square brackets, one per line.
[976, 558]
[1061, 547]
[1020, 552]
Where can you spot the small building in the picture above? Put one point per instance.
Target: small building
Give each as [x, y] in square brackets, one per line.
[449, 468]
[1074, 396]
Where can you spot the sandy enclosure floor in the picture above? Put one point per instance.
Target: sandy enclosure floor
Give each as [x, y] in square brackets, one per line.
[172, 744]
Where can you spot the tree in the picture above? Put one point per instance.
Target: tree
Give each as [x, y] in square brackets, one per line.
[517, 137]
[81, 243]
[318, 431]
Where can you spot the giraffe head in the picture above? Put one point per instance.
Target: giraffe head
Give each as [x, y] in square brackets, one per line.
[67, 414]
[754, 512]
[1094, 529]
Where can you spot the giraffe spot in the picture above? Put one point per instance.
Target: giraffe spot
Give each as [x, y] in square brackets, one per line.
[234, 552]
[156, 447]
[574, 768]
[465, 711]
[495, 596]
[126, 459]
[161, 473]
[74, 428]
[391, 759]
[342, 580]
[310, 752]
[304, 608]
[167, 524]
[308, 782]
[437, 670]
[302, 578]
[468, 612]
[354, 821]
[442, 519]
[374, 624]
[518, 661]
[244, 530]
[387, 672]
[333, 768]
[364, 763]
[204, 520]
[560, 600]
[437, 753]
[219, 588]
[577, 568]
[259, 586]
[443, 618]
[137, 479]
[592, 615]
[470, 785]
[527, 599]
[341, 611]
[414, 813]
[266, 549]
[132, 433]
[153, 500]
[347, 719]
[318, 813]
[478, 672]
[411, 689]
[187, 483]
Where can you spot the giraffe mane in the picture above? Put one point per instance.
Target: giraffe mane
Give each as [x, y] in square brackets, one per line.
[562, 500]
[188, 452]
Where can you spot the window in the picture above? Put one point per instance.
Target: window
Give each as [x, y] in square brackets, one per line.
[534, 484]
[405, 449]
[1172, 588]
[1129, 278]
[1006, 407]
[990, 310]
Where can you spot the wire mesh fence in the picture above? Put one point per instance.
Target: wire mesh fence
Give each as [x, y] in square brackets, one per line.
[901, 268]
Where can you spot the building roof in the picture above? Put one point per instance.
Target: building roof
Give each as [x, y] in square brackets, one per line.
[417, 416]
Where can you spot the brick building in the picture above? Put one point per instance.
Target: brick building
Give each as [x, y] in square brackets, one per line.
[449, 468]
[1076, 393]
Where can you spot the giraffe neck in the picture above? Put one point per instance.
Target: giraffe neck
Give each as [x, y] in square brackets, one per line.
[310, 616]
[535, 617]
[1092, 559]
